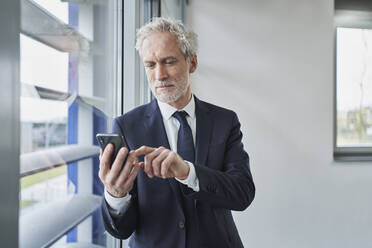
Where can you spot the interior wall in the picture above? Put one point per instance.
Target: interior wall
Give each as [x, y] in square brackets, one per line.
[272, 62]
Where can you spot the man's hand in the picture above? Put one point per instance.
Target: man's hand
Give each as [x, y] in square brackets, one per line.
[162, 162]
[118, 182]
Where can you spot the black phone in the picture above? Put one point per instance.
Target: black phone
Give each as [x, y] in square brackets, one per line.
[116, 139]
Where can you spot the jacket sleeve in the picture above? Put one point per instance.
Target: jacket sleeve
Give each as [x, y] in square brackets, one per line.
[232, 187]
[124, 225]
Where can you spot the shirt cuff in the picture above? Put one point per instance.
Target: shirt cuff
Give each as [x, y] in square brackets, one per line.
[117, 206]
[192, 180]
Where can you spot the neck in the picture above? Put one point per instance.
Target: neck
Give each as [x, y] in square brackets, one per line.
[182, 101]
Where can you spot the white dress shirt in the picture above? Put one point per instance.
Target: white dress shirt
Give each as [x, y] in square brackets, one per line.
[118, 206]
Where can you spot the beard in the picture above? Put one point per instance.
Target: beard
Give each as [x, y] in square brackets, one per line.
[178, 88]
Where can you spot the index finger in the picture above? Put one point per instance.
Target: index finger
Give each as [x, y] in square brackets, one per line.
[143, 150]
[107, 153]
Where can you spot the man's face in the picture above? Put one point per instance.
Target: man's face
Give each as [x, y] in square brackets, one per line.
[166, 68]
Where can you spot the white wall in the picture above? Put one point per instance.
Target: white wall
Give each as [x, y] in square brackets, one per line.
[272, 62]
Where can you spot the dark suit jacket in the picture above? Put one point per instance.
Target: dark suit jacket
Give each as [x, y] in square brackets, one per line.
[155, 215]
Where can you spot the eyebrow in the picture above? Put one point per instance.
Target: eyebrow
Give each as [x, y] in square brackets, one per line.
[162, 59]
[169, 57]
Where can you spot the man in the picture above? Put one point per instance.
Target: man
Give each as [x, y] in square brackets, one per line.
[187, 168]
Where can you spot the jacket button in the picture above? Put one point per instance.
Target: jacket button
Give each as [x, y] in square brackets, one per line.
[181, 224]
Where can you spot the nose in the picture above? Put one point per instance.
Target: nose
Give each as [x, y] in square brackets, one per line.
[161, 73]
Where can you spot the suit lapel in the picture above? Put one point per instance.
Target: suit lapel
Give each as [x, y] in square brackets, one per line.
[158, 137]
[203, 131]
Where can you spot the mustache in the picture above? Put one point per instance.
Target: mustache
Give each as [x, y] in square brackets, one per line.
[163, 83]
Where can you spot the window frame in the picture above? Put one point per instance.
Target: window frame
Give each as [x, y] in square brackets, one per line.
[359, 20]
[10, 120]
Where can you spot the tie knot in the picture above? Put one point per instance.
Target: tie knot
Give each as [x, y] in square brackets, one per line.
[180, 116]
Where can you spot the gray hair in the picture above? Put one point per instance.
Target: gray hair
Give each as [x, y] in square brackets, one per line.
[187, 39]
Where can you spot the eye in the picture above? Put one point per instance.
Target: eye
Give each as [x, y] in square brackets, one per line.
[170, 62]
[149, 65]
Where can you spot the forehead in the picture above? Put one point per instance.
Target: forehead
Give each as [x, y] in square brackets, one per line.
[160, 44]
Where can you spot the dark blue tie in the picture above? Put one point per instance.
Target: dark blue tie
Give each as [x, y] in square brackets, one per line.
[185, 148]
[185, 144]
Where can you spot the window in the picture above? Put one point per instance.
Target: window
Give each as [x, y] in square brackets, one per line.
[173, 8]
[353, 136]
[71, 73]
[70, 86]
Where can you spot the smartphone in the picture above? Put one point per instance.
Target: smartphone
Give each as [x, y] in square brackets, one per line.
[116, 139]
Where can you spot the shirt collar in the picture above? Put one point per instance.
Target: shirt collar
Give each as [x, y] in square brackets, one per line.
[167, 110]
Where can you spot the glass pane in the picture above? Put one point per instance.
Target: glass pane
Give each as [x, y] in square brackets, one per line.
[354, 87]
[57, 8]
[171, 8]
[44, 124]
[68, 78]
[42, 65]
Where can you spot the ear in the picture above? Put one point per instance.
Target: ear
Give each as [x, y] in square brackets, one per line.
[193, 63]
